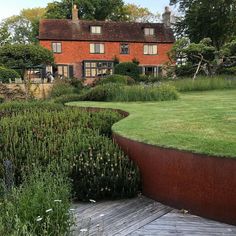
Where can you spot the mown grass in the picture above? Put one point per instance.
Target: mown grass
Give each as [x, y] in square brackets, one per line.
[200, 122]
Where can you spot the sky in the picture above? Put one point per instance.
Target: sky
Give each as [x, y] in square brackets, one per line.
[13, 7]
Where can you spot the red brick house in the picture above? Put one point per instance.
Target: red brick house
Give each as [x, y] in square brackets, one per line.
[88, 49]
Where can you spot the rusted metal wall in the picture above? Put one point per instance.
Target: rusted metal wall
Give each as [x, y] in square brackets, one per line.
[204, 185]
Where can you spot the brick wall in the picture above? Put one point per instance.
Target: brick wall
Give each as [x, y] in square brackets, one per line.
[74, 52]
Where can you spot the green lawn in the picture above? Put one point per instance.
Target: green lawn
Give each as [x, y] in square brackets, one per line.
[201, 122]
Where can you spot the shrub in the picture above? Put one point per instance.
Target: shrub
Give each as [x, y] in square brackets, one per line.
[77, 140]
[101, 92]
[129, 69]
[1, 99]
[77, 84]
[159, 92]
[7, 74]
[117, 79]
[115, 92]
[40, 206]
[228, 71]
[15, 107]
[203, 84]
[187, 70]
[150, 79]
[61, 87]
[67, 98]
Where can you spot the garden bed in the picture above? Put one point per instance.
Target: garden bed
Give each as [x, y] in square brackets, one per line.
[199, 177]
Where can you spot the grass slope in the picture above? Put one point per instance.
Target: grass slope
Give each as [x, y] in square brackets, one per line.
[201, 122]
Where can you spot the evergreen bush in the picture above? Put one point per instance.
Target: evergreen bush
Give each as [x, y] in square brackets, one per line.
[128, 68]
[7, 74]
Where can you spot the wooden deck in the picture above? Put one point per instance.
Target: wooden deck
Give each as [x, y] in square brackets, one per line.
[142, 216]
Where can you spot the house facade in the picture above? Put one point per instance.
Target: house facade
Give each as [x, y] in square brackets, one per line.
[90, 49]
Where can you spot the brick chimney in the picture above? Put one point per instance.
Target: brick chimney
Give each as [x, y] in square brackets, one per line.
[75, 17]
[166, 17]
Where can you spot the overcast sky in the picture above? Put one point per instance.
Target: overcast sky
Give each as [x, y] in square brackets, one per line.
[11, 7]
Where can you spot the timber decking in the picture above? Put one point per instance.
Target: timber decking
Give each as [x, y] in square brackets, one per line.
[142, 216]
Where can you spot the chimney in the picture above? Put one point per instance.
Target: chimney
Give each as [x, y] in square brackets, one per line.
[166, 17]
[75, 17]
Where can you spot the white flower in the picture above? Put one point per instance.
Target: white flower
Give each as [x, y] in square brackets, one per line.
[57, 200]
[97, 225]
[83, 230]
[48, 210]
[39, 218]
[101, 215]
[91, 200]
[72, 209]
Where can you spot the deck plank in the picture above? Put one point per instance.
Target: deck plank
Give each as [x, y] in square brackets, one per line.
[142, 216]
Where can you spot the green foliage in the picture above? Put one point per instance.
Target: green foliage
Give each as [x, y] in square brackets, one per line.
[1, 99]
[100, 92]
[121, 93]
[205, 18]
[22, 28]
[89, 10]
[78, 141]
[40, 206]
[129, 69]
[228, 71]
[204, 84]
[61, 87]
[185, 70]
[160, 92]
[67, 98]
[150, 79]
[24, 56]
[117, 79]
[7, 74]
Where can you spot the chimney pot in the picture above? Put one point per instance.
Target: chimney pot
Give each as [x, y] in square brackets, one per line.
[75, 17]
[166, 16]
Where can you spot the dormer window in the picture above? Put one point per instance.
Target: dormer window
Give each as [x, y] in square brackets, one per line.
[96, 29]
[149, 31]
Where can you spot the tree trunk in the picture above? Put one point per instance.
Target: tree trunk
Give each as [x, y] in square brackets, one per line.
[198, 68]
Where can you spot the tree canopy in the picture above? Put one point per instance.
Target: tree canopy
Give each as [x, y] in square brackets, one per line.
[22, 57]
[207, 19]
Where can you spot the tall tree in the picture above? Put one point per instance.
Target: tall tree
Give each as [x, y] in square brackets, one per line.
[135, 13]
[22, 28]
[88, 9]
[207, 19]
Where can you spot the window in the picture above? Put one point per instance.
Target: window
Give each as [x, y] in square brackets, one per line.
[98, 69]
[150, 49]
[124, 48]
[65, 71]
[97, 48]
[56, 47]
[149, 31]
[96, 29]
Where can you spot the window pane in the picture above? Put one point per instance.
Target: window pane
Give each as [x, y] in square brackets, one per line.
[151, 31]
[87, 73]
[145, 49]
[93, 64]
[93, 72]
[146, 31]
[154, 49]
[87, 64]
[65, 71]
[59, 47]
[101, 48]
[92, 48]
[60, 70]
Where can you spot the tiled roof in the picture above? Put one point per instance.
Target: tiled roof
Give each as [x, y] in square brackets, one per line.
[111, 31]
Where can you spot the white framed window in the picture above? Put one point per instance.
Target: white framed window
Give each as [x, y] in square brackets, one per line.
[56, 47]
[97, 48]
[150, 49]
[149, 31]
[96, 29]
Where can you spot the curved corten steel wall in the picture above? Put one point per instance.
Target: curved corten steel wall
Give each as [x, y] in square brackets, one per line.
[204, 185]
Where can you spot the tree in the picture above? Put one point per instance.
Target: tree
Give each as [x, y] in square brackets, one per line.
[23, 57]
[22, 28]
[88, 9]
[201, 55]
[207, 19]
[134, 13]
